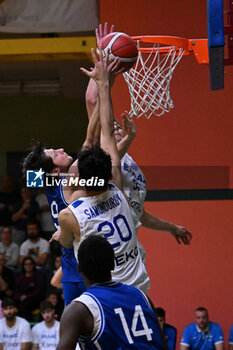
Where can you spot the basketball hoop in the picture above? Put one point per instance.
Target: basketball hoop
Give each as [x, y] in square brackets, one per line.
[149, 80]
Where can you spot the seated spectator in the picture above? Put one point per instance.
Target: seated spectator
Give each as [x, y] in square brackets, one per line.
[6, 279]
[168, 330]
[23, 210]
[28, 289]
[231, 339]
[9, 248]
[54, 298]
[45, 335]
[202, 334]
[1, 314]
[15, 332]
[56, 267]
[35, 246]
[46, 221]
[8, 196]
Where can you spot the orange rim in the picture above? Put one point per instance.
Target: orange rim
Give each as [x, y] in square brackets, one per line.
[199, 47]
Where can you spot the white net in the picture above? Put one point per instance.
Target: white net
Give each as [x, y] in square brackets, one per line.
[149, 81]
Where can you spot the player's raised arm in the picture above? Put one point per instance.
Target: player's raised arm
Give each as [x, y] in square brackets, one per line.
[101, 74]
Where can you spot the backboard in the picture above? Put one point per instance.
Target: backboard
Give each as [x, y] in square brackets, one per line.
[220, 40]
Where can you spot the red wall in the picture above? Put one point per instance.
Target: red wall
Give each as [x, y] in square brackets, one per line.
[197, 133]
[185, 277]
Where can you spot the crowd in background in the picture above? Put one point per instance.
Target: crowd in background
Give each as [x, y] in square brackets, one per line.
[27, 259]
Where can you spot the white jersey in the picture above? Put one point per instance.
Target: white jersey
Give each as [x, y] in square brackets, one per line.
[109, 215]
[134, 184]
[12, 337]
[46, 338]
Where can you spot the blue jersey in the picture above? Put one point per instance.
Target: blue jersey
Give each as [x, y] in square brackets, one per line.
[231, 336]
[123, 318]
[57, 202]
[202, 340]
[170, 335]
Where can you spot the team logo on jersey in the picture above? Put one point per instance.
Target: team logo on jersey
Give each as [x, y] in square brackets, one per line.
[35, 178]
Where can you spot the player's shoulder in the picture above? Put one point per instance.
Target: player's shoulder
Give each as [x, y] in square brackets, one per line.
[66, 218]
[65, 215]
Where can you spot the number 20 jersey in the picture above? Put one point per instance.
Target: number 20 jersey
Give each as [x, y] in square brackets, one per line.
[109, 215]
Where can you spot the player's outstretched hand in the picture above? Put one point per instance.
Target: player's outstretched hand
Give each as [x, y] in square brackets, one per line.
[181, 234]
[129, 125]
[55, 236]
[101, 33]
[103, 67]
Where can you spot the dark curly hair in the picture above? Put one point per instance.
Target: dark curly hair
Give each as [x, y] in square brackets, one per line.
[37, 159]
[94, 162]
[96, 259]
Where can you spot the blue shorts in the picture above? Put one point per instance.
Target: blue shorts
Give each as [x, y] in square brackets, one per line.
[72, 290]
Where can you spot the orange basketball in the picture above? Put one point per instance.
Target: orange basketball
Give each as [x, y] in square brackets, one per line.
[120, 45]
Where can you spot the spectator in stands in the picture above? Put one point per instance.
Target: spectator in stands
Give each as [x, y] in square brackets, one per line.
[15, 332]
[6, 279]
[231, 338]
[45, 335]
[203, 334]
[54, 298]
[46, 221]
[8, 196]
[56, 266]
[1, 314]
[9, 248]
[29, 289]
[35, 246]
[24, 209]
[169, 331]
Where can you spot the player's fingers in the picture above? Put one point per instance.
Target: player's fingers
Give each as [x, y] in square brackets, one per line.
[113, 66]
[112, 28]
[94, 55]
[85, 71]
[107, 57]
[105, 28]
[97, 37]
[186, 240]
[189, 235]
[101, 31]
[119, 71]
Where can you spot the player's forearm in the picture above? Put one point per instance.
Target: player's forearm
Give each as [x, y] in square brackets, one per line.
[106, 112]
[152, 222]
[91, 97]
[93, 129]
[124, 144]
